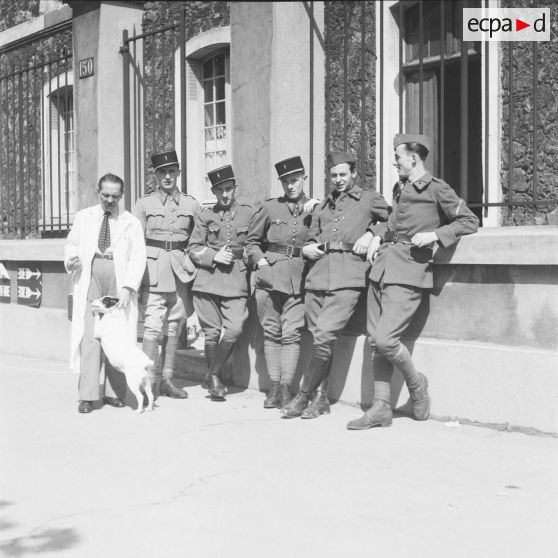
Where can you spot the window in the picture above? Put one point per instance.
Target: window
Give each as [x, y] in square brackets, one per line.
[59, 183]
[215, 129]
[435, 101]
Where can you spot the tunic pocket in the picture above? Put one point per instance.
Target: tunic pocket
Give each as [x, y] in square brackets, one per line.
[241, 233]
[185, 221]
[150, 276]
[155, 218]
[213, 232]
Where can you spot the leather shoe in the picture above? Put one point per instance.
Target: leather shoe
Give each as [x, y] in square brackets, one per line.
[285, 395]
[319, 405]
[380, 414]
[113, 402]
[85, 407]
[272, 401]
[296, 406]
[170, 390]
[217, 390]
[420, 398]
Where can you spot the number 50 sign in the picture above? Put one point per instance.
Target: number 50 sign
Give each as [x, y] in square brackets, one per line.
[86, 68]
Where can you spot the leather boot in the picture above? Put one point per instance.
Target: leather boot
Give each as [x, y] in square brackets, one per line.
[168, 389]
[285, 395]
[380, 414]
[319, 404]
[209, 351]
[295, 407]
[272, 399]
[217, 390]
[420, 398]
[317, 372]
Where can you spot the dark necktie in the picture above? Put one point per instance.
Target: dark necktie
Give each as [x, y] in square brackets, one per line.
[104, 234]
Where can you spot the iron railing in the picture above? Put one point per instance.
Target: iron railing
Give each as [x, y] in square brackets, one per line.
[37, 178]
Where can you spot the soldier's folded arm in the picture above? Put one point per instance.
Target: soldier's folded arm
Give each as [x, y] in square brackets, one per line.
[259, 225]
[200, 253]
[461, 220]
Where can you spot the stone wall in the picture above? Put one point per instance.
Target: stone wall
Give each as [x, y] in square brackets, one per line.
[336, 26]
[523, 157]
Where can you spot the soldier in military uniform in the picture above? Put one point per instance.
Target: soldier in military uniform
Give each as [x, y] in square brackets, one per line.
[221, 286]
[337, 245]
[277, 233]
[167, 216]
[426, 211]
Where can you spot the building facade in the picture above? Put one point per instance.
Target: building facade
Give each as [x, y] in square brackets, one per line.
[92, 87]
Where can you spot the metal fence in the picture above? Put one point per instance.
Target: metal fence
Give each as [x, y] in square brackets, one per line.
[149, 101]
[37, 179]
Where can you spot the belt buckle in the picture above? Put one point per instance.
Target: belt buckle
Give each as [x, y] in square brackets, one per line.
[326, 246]
[289, 251]
[168, 245]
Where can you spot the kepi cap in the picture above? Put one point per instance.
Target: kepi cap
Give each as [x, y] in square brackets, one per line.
[164, 159]
[288, 166]
[338, 157]
[425, 141]
[222, 174]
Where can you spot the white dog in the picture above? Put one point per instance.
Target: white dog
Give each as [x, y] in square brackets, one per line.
[110, 327]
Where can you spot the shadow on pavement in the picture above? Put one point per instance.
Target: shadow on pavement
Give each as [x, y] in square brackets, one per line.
[40, 540]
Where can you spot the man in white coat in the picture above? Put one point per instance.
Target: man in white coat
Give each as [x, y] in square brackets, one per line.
[105, 254]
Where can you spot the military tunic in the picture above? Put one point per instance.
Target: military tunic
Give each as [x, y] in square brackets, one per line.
[401, 271]
[277, 233]
[221, 291]
[428, 204]
[336, 280]
[166, 296]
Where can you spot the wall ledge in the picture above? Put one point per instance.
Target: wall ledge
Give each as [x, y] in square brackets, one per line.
[35, 250]
[536, 245]
[34, 26]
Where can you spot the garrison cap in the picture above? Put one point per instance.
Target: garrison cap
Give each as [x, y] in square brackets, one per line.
[222, 174]
[164, 159]
[338, 157]
[288, 166]
[425, 141]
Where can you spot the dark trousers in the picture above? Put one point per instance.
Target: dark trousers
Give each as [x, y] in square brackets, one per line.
[219, 313]
[390, 310]
[328, 312]
[281, 316]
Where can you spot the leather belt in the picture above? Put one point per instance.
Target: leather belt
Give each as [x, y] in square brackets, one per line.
[392, 236]
[288, 249]
[336, 246]
[104, 256]
[167, 245]
[238, 253]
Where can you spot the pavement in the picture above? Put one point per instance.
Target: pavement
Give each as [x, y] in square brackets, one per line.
[195, 478]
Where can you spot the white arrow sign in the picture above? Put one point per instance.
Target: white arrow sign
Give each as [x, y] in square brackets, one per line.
[5, 290]
[26, 273]
[26, 292]
[3, 272]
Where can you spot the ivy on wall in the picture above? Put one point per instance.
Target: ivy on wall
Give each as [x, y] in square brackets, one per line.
[13, 13]
[344, 25]
[523, 157]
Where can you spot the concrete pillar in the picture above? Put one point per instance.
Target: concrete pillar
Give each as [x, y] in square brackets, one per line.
[98, 100]
[271, 93]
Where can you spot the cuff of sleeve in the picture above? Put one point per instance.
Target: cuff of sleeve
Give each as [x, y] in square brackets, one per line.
[445, 236]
